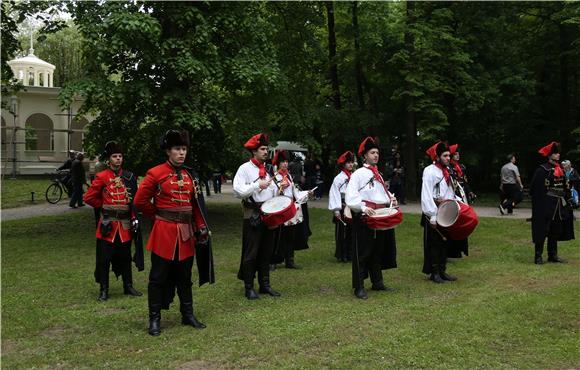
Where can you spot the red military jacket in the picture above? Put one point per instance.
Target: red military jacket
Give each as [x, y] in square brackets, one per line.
[109, 189]
[162, 185]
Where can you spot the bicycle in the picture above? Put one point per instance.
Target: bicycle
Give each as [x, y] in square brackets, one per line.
[59, 185]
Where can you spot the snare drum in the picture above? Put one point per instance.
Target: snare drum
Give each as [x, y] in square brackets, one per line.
[277, 211]
[457, 218]
[298, 217]
[384, 219]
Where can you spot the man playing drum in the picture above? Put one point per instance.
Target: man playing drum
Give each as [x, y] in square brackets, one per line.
[342, 229]
[374, 248]
[437, 187]
[290, 236]
[254, 186]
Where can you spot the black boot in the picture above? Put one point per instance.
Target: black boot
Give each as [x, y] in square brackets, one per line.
[154, 320]
[553, 252]
[187, 316]
[436, 275]
[104, 293]
[539, 249]
[445, 276]
[129, 290]
[291, 265]
[250, 292]
[360, 293]
[265, 287]
[381, 286]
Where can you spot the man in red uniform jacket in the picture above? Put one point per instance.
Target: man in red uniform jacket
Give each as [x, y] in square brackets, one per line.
[179, 229]
[111, 194]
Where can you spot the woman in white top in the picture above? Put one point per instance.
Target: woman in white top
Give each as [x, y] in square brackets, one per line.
[291, 236]
[437, 187]
[342, 228]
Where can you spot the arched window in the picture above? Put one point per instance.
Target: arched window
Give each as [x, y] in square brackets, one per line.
[78, 127]
[5, 139]
[39, 132]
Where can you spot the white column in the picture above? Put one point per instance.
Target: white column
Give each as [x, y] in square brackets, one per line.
[36, 73]
[51, 74]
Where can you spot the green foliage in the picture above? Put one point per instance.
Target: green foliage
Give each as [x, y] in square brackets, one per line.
[495, 77]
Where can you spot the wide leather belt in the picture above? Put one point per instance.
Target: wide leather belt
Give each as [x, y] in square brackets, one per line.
[556, 193]
[178, 216]
[116, 212]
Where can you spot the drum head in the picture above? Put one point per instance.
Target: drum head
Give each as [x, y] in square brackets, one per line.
[447, 213]
[385, 212]
[276, 204]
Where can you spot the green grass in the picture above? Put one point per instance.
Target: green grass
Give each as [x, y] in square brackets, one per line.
[504, 312]
[16, 193]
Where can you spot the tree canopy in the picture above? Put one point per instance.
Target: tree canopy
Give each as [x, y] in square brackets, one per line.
[497, 78]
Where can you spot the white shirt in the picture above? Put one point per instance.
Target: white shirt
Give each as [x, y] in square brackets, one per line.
[363, 186]
[337, 191]
[246, 184]
[291, 191]
[434, 187]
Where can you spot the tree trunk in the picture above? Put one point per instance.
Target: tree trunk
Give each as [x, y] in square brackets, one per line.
[410, 122]
[332, 55]
[358, 65]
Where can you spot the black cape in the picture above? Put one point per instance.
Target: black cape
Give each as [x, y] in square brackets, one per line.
[544, 207]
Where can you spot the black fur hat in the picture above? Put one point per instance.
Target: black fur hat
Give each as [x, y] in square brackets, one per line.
[175, 138]
[112, 147]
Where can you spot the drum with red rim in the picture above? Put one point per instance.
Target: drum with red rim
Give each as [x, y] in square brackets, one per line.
[277, 210]
[384, 218]
[298, 217]
[457, 218]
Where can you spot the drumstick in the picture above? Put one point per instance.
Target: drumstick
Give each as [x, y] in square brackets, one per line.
[438, 232]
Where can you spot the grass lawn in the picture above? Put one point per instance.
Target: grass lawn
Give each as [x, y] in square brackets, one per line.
[16, 193]
[504, 312]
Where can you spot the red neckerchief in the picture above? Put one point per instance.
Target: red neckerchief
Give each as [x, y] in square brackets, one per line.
[444, 170]
[457, 168]
[377, 175]
[261, 167]
[558, 170]
[347, 173]
[284, 174]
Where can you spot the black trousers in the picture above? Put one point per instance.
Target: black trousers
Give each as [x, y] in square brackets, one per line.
[434, 249]
[257, 249]
[342, 240]
[166, 273]
[554, 230]
[117, 254]
[511, 196]
[373, 251]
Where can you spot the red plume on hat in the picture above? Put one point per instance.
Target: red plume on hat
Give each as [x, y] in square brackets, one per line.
[454, 148]
[368, 144]
[347, 156]
[256, 141]
[280, 156]
[437, 149]
[553, 147]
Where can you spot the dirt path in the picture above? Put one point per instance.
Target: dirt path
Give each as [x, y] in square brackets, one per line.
[227, 196]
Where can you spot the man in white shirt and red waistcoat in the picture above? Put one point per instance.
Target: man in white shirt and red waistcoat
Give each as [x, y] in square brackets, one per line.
[342, 228]
[111, 195]
[437, 187]
[254, 186]
[373, 250]
[170, 194]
